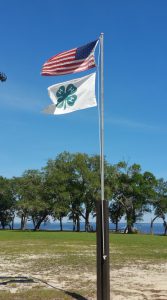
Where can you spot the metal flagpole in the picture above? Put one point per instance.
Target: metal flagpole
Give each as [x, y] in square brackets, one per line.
[102, 221]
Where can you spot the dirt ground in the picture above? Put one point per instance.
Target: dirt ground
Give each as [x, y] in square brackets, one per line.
[134, 282]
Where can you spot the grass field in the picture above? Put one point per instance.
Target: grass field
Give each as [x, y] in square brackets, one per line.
[62, 265]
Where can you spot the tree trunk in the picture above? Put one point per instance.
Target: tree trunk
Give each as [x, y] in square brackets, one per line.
[129, 227]
[12, 227]
[151, 225]
[87, 225]
[61, 224]
[3, 225]
[165, 227]
[74, 224]
[37, 226]
[78, 223]
[116, 226]
[23, 222]
[39, 222]
[165, 230]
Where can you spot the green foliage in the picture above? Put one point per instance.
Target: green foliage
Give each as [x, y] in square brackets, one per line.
[7, 202]
[160, 203]
[133, 192]
[70, 185]
[31, 198]
[116, 212]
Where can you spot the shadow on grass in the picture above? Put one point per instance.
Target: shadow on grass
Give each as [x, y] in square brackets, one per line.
[4, 280]
[16, 279]
[75, 296]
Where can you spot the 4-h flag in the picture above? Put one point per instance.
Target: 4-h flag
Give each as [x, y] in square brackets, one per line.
[72, 95]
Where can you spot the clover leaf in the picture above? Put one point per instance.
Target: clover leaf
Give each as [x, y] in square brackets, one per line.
[71, 89]
[60, 104]
[71, 100]
[61, 94]
[65, 96]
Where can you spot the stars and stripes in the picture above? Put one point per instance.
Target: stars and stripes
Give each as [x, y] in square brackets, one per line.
[71, 61]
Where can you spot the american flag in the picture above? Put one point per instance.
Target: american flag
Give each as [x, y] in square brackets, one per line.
[71, 61]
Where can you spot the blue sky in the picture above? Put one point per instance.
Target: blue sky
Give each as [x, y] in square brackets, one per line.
[135, 74]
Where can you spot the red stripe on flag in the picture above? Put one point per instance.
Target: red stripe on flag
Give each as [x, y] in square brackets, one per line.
[70, 70]
[69, 64]
[63, 53]
[61, 72]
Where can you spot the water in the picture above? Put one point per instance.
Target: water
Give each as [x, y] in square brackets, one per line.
[68, 226]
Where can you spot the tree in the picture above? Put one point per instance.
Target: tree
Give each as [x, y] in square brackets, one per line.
[57, 176]
[133, 191]
[64, 186]
[94, 191]
[116, 211]
[84, 187]
[39, 205]
[160, 204]
[3, 77]
[22, 203]
[7, 203]
[73, 185]
[59, 212]
[31, 200]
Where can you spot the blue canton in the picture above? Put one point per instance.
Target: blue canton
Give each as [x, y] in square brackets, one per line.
[84, 51]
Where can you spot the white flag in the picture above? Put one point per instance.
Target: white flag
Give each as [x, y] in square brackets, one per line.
[72, 95]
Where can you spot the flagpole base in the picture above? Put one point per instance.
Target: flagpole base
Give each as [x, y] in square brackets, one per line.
[102, 245]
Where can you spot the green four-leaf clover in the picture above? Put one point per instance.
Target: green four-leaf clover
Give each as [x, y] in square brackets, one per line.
[65, 96]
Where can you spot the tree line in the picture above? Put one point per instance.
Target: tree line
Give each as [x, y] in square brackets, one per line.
[69, 186]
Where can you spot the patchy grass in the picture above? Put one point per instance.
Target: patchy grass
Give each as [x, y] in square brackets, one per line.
[36, 294]
[62, 265]
[137, 247]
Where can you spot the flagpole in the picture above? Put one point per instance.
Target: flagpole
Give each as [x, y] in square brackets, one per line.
[102, 222]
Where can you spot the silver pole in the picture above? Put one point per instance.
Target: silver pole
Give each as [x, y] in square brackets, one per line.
[103, 270]
[102, 135]
[102, 114]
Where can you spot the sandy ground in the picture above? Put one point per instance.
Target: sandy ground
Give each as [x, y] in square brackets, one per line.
[138, 283]
[135, 282]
